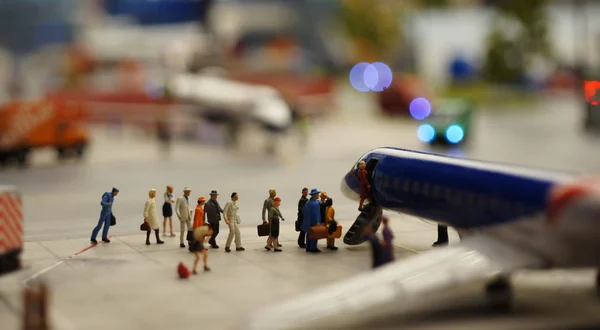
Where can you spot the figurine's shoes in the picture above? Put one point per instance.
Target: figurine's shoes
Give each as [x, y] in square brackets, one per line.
[93, 241]
[147, 242]
[182, 245]
[160, 242]
[106, 240]
[277, 250]
[267, 248]
[314, 251]
[214, 246]
[227, 249]
[194, 272]
[206, 269]
[302, 246]
[173, 235]
[240, 249]
[332, 248]
[279, 245]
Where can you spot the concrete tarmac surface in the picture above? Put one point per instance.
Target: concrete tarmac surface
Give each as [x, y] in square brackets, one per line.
[127, 285]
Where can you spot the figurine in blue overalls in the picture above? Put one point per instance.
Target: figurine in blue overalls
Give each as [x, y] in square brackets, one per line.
[312, 217]
[107, 201]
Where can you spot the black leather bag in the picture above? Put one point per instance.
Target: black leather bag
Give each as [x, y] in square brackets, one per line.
[263, 229]
[190, 236]
[298, 225]
[113, 220]
[145, 227]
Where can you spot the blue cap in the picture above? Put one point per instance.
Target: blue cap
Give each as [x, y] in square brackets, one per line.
[115, 189]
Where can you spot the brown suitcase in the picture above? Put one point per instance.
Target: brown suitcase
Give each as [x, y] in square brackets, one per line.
[338, 232]
[318, 232]
[263, 229]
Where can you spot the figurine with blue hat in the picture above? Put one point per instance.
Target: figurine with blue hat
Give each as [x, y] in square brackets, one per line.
[108, 199]
[312, 217]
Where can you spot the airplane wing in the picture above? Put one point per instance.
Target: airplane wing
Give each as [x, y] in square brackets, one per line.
[397, 287]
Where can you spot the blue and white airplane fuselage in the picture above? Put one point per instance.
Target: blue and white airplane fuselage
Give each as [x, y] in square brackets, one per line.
[517, 218]
[464, 194]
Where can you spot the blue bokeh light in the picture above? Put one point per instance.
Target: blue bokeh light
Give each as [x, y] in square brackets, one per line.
[384, 77]
[426, 133]
[371, 77]
[455, 134]
[420, 108]
[357, 77]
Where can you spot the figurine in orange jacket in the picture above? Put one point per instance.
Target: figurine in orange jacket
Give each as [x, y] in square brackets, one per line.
[199, 213]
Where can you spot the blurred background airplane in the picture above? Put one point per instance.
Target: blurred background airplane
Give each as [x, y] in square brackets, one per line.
[515, 217]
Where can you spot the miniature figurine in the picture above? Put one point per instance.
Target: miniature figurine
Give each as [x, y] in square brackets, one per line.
[184, 214]
[365, 186]
[301, 203]
[200, 235]
[151, 217]
[388, 238]
[323, 197]
[199, 213]
[377, 252]
[212, 212]
[108, 199]
[232, 219]
[167, 210]
[265, 210]
[329, 217]
[312, 217]
[442, 239]
[274, 216]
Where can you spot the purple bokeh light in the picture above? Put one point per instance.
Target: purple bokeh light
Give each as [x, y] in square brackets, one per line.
[420, 108]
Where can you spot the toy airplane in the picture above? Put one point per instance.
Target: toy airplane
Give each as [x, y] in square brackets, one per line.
[517, 218]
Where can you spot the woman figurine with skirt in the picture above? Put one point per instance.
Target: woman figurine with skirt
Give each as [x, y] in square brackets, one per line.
[167, 210]
[275, 216]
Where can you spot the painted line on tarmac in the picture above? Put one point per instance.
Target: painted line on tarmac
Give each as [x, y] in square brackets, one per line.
[26, 281]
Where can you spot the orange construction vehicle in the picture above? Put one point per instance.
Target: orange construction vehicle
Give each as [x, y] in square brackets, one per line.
[28, 125]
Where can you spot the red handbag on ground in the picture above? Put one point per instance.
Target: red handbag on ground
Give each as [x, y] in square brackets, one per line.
[183, 271]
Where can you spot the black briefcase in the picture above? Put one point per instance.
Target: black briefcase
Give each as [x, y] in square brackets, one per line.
[298, 225]
[113, 220]
[263, 229]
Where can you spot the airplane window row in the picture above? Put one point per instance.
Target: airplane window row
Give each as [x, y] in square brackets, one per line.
[449, 195]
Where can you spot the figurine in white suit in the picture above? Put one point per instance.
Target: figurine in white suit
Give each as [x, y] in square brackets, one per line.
[184, 214]
[232, 219]
[151, 217]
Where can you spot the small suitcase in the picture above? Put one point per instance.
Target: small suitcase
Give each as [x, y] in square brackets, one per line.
[318, 232]
[263, 229]
[298, 225]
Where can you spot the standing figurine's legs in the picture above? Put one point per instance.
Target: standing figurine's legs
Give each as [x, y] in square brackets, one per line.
[171, 226]
[182, 233]
[302, 239]
[269, 243]
[238, 238]
[205, 252]
[197, 254]
[106, 228]
[158, 241]
[331, 244]
[148, 237]
[213, 239]
[97, 228]
[230, 236]
[164, 225]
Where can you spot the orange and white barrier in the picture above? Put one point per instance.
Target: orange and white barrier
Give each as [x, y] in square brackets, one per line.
[11, 229]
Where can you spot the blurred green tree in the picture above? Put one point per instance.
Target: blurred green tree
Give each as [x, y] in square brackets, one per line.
[373, 28]
[507, 55]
